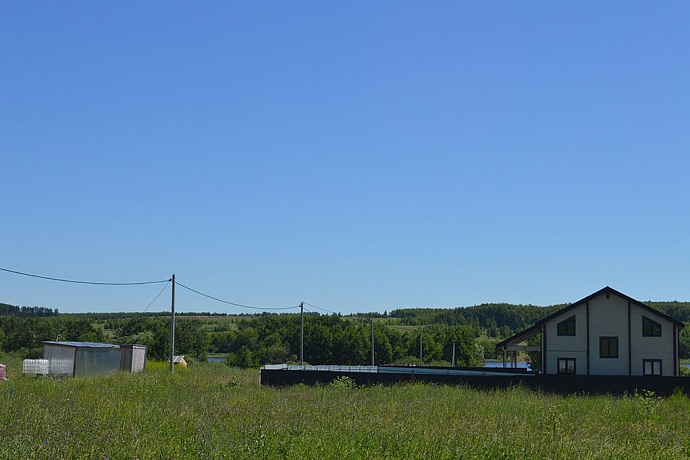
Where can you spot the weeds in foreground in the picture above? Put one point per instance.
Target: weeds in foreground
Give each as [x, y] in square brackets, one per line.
[212, 411]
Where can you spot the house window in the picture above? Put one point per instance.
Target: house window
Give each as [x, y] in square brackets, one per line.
[650, 328]
[566, 365]
[608, 347]
[651, 366]
[566, 327]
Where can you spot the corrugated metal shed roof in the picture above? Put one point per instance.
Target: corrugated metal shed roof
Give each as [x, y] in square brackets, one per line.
[82, 344]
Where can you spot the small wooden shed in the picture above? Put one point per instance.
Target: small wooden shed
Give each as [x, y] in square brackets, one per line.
[180, 360]
[133, 358]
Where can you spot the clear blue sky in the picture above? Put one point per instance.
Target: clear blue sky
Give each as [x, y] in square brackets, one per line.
[358, 156]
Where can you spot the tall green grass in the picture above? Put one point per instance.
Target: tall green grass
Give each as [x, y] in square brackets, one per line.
[213, 411]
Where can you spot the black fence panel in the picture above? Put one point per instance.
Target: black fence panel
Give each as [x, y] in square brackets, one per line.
[563, 384]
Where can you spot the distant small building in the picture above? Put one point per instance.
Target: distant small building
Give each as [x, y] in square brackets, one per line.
[605, 333]
[180, 360]
[81, 359]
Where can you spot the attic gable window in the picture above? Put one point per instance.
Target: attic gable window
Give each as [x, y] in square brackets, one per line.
[650, 328]
[566, 327]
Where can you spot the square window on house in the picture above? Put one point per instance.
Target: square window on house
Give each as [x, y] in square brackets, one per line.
[650, 328]
[608, 347]
[566, 365]
[651, 366]
[566, 327]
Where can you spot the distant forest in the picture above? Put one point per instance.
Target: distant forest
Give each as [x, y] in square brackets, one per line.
[504, 320]
[252, 340]
[11, 310]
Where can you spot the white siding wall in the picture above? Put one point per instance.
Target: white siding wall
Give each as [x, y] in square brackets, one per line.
[651, 347]
[608, 318]
[559, 346]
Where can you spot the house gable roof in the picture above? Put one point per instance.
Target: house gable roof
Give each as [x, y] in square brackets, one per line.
[536, 328]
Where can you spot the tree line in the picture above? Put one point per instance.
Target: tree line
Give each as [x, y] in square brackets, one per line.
[24, 335]
[337, 340]
[250, 341]
[265, 339]
[11, 310]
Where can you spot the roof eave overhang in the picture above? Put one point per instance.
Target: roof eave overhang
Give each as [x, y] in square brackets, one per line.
[512, 343]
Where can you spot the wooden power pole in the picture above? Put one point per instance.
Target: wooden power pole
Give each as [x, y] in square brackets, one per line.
[421, 352]
[301, 335]
[453, 362]
[372, 342]
[172, 327]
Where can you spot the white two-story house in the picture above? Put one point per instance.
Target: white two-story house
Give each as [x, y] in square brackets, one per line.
[606, 333]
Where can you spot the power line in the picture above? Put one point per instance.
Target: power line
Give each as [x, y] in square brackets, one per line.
[322, 309]
[62, 280]
[167, 281]
[232, 303]
[159, 294]
[309, 310]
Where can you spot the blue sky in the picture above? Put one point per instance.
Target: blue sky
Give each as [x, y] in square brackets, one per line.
[360, 156]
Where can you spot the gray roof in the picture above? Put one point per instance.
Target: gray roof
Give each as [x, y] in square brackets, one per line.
[534, 330]
[82, 344]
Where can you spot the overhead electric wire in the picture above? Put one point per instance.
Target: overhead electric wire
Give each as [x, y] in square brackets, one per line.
[166, 281]
[322, 309]
[232, 303]
[159, 294]
[309, 310]
[98, 283]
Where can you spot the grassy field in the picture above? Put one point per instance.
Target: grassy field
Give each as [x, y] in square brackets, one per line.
[213, 411]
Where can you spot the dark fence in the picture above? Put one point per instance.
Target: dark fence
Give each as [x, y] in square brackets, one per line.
[563, 384]
[617, 385]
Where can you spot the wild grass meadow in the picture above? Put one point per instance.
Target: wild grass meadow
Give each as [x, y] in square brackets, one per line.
[214, 411]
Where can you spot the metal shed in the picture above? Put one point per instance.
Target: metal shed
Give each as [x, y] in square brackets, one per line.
[81, 359]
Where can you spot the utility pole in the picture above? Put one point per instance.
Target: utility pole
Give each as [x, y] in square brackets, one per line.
[421, 355]
[372, 341]
[301, 337]
[172, 327]
[453, 362]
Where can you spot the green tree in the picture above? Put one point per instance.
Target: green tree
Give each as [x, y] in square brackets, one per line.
[191, 340]
[383, 350]
[684, 342]
[318, 343]
[351, 346]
